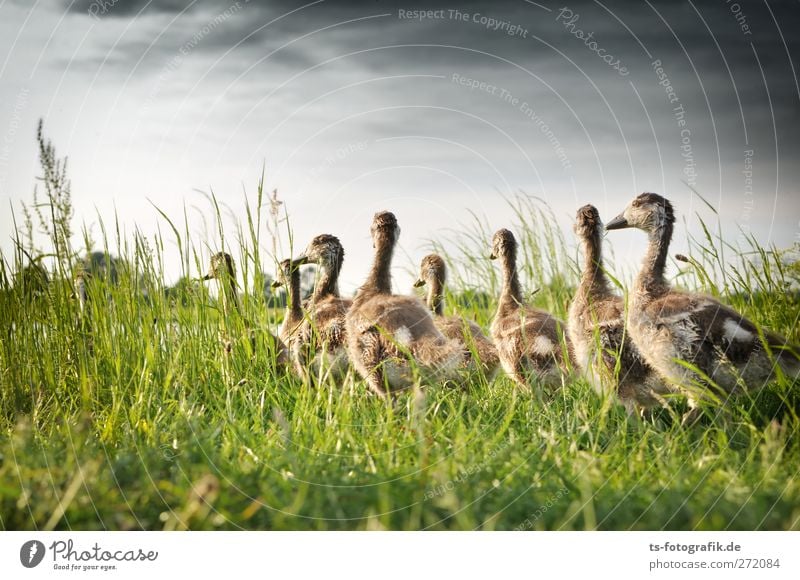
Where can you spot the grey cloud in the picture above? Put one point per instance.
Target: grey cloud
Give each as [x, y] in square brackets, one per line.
[126, 8]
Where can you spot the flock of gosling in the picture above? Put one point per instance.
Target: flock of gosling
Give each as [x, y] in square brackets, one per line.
[667, 340]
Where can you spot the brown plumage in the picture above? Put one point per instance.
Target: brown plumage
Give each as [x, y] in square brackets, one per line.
[480, 353]
[324, 326]
[80, 285]
[222, 268]
[390, 337]
[596, 327]
[670, 325]
[81, 292]
[289, 333]
[531, 343]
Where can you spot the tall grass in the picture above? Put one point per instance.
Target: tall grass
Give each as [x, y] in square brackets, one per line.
[131, 415]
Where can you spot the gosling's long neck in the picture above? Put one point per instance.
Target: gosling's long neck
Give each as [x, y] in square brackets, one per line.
[82, 292]
[594, 282]
[229, 295]
[651, 281]
[435, 295]
[294, 310]
[511, 294]
[328, 282]
[380, 276]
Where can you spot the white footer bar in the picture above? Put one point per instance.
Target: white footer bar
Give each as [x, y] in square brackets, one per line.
[402, 555]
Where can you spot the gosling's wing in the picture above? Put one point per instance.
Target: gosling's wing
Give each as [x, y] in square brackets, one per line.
[712, 329]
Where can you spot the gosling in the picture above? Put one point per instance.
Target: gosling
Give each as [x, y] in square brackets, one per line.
[531, 343]
[673, 327]
[596, 327]
[480, 353]
[289, 332]
[222, 268]
[324, 328]
[390, 338]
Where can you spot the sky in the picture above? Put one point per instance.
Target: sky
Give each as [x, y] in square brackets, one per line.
[355, 107]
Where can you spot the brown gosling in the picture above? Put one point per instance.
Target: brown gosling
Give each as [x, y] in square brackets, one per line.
[480, 353]
[669, 326]
[596, 327]
[531, 343]
[80, 288]
[80, 291]
[289, 332]
[390, 337]
[324, 327]
[222, 268]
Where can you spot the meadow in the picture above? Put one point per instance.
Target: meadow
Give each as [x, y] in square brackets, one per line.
[130, 414]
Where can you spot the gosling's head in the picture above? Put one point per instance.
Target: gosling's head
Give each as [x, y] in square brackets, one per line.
[384, 230]
[286, 270]
[587, 222]
[431, 269]
[324, 250]
[649, 212]
[221, 265]
[504, 245]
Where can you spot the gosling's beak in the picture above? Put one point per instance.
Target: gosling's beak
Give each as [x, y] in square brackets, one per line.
[300, 260]
[275, 284]
[492, 256]
[618, 223]
[206, 277]
[419, 283]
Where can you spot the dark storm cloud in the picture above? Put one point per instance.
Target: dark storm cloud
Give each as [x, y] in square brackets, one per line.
[247, 26]
[708, 40]
[715, 58]
[125, 8]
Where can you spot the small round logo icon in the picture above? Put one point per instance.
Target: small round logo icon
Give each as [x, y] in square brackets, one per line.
[31, 553]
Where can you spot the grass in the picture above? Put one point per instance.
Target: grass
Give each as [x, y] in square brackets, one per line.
[131, 416]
